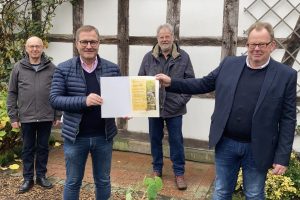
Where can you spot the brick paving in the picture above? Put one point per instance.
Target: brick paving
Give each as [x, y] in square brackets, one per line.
[129, 169]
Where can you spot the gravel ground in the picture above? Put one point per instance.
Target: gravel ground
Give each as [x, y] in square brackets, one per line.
[9, 184]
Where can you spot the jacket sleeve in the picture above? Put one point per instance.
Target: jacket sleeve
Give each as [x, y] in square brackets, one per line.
[195, 85]
[287, 123]
[59, 98]
[188, 73]
[12, 96]
[142, 71]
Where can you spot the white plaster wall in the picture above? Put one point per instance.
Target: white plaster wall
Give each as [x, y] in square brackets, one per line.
[145, 16]
[62, 22]
[201, 18]
[103, 15]
[59, 51]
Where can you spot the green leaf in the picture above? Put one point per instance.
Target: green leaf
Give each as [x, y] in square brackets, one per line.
[17, 130]
[151, 191]
[158, 183]
[2, 133]
[148, 181]
[128, 194]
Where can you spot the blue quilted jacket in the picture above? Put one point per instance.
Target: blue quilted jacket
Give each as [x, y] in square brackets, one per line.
[68, 94]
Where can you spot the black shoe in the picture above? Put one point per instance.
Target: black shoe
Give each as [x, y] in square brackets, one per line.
[44, 182]
[26, 186]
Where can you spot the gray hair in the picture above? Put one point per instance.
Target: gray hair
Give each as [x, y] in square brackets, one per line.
[167, 26]
[86, 28]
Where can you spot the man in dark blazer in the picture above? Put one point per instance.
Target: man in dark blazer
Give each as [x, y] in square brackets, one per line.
[254, 119]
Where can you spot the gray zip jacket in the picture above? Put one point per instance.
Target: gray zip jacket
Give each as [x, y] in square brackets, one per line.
[28, 92]
[179, 66]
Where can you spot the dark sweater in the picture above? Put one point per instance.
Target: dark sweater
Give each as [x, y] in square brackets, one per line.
[91, 125]
[239, 123]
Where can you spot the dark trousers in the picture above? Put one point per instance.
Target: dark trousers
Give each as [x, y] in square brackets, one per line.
[35, 145]
[174, 126]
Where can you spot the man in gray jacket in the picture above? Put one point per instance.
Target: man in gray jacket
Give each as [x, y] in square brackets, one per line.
[29, 108]
[166, 57]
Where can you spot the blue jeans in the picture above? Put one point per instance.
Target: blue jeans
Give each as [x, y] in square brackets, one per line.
[76, 155]
[230, 155]
[174, 126]
[35, 137]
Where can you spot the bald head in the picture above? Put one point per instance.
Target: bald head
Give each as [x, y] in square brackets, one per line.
[34, 40]
[34, 48]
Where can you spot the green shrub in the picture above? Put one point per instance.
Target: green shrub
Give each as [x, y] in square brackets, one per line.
[6, 158]
[9, 137]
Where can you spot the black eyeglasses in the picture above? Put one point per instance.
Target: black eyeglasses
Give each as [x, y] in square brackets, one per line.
[259, 45]
[85, 43]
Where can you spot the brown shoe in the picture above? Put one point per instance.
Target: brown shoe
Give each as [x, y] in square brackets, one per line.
[156, 173]
[180, 182]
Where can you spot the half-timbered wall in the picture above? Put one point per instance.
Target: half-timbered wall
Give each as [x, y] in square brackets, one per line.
[208, 30]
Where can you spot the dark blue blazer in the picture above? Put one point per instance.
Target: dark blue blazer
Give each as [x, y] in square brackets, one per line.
[274, 118]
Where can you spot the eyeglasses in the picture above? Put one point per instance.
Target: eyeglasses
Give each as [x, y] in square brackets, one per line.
[35, 46]
[259, 45]
[85, 43]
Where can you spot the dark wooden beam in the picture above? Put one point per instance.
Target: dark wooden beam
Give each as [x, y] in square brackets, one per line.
[230, 28]
[104, 39]
[123, 45]
[78, 13]
[149, 41]
[123, 35]
[61, 38]
[173, 15]
[293, 45]
[200, 41]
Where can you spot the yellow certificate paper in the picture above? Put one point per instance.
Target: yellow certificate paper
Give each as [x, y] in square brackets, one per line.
[132, 96]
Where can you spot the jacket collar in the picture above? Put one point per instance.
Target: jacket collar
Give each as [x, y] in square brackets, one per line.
[44, 61]
[175, 51]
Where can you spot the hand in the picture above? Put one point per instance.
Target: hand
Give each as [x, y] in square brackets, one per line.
[279, 169]
[56, 123]
[94, 100]
[164, 80]
[16, 125]
[127, 118]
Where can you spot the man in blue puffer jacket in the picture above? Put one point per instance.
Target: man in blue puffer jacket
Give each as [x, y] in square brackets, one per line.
[76, 91]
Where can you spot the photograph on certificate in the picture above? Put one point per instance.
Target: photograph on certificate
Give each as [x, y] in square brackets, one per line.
[129, 96]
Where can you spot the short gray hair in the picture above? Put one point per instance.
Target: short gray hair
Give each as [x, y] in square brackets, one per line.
[167, 26]
[86, 28]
